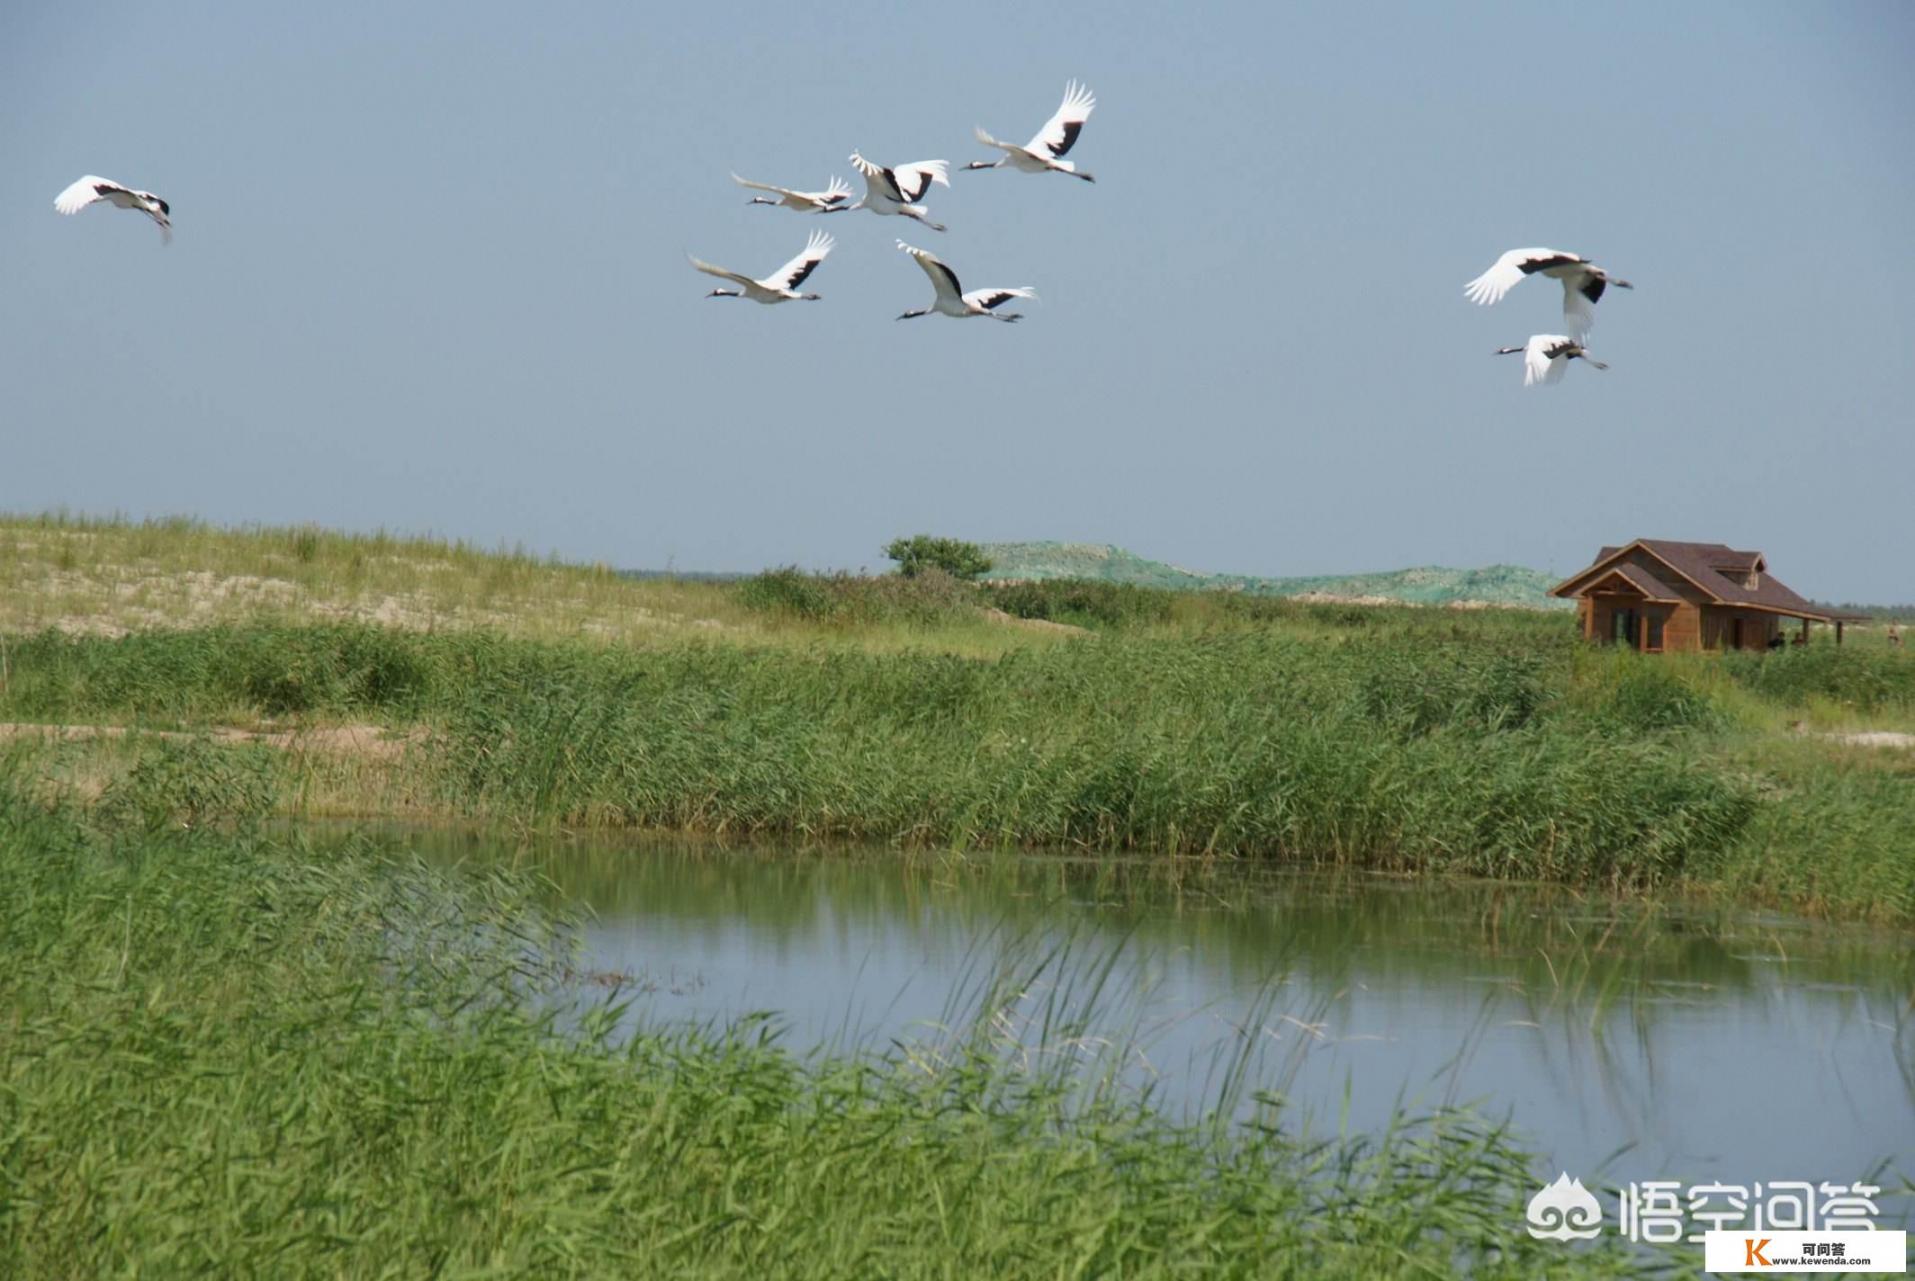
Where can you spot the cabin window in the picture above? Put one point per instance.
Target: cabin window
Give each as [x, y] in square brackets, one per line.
[1623, 629]
[1735, 633]
[1655, 632]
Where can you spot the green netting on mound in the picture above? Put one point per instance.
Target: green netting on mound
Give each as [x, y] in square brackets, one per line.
[1425, 585]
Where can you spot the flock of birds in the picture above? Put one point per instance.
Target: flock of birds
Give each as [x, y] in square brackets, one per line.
[899, 190]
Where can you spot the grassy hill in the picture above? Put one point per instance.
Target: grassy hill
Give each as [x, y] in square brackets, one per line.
[1424, 585]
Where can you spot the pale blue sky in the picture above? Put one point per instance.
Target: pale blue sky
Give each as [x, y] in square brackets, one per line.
[430, 275]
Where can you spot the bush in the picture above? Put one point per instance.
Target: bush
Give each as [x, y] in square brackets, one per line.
[959, 559]
[193, 782]
[1083, 601]
[1646, 694]
[790, 592]
[1854, 676]
[926, 598]
[1414, 694]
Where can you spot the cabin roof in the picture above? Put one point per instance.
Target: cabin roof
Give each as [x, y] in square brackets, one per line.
[1705, 566]
[1643, 581]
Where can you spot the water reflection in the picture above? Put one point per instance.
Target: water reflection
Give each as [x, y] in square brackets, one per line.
[1725, 1045]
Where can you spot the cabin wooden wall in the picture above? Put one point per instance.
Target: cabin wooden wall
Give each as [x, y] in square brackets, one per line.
[1757, 627]
[1597, 623]
[1681, 623]
[1683, 629]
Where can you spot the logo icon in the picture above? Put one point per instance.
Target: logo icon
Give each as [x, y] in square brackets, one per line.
[1565, 1211]
[1752, 1249]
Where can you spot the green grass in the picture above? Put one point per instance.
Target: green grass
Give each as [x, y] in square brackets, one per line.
[114, 576]
[1423, 743]
[227, 1053]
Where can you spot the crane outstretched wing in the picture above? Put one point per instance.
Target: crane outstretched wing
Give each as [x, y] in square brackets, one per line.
[878, 180]
[793, 273]
[912, 181]
[85, 192]
[762, 186]
[1543, 360]
[1509, 271]
[993, 298]
[989, 141]
[943, 279]
[1060, 132]
[720, 272]
[1578, 315]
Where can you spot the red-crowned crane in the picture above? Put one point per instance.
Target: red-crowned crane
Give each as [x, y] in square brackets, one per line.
[1583, 283]
[1545, 356]
[831, 200]
[897, 189]
[92, 189]
[1045, 152]
[953, 301]
[782, 284]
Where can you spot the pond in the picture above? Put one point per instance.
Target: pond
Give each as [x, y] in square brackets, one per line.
[1616, 1037]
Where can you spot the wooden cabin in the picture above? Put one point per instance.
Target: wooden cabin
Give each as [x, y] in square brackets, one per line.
[1655, 595]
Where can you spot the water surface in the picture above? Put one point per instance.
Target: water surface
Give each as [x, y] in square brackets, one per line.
[1644, 1042]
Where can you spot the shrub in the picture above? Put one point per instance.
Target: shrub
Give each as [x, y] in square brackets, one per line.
[928, 597]
[920, 552]
[1647, 694]
[788, 591]
[192, 782]
[1416, 693]
[1084, 601]
[1857, 677]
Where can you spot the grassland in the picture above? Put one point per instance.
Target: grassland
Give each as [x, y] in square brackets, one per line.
[111, 577]
[236, 1054]
[225, 1049]
[1484, 743]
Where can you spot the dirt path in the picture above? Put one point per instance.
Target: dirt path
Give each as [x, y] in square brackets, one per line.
[1874, 738]
[1033, 624]
[371, 742]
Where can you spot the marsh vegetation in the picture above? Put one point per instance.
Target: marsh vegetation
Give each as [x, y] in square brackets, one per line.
[236, 1043]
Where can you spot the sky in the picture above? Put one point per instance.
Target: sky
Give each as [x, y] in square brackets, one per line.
[430, 276]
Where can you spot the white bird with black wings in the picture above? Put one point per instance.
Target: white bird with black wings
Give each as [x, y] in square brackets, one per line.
[1045, 152]
[953, 301]
[1546, 356]
[831, 200]
[1583, 283]
[93, 189]
[897, 189]
[782, 284]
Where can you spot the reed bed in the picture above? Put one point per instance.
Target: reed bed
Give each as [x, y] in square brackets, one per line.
[225, 1053]
[1423, 744]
